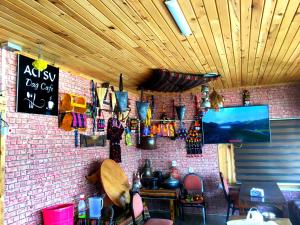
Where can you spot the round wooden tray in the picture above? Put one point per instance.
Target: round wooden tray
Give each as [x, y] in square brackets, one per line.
[114, 181]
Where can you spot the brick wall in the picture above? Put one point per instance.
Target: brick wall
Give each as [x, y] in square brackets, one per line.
[284, 102]
[43, 167]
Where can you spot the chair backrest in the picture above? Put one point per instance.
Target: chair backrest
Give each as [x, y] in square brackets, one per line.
[193, 183]
[136, 206]
[225, 186]
[269, 208]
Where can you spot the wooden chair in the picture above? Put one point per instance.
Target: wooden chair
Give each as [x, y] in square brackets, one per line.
[193, 187]
[232, 199]
[137, 209]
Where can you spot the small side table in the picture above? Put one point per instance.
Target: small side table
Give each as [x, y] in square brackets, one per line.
[171, 195]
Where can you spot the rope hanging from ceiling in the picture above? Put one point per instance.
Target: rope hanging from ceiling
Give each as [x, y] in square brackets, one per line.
[167, 81]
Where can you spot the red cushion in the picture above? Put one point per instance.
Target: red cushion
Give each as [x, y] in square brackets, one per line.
[154, 221]
[193, 182]
[137, 204]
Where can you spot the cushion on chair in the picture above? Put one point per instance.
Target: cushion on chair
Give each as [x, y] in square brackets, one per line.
[137, 205]
[192, 182]
[154, 221]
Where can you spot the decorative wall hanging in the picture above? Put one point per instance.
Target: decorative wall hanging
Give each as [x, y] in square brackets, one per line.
[94, 106]
[72, 120]
[133, 124]
[246, 98]
[40, 64]
[101, 123]
[73, 102]
[91, 141]
[142, 108]
[101, 91]
[122, 97]
[37, 92]
[216, 100]
[205, 103]
[128, 140]
[167, 81]
[114, 134]
[194, 138]
[180, 110]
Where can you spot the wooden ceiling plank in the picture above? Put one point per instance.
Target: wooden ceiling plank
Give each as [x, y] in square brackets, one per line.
[6, 24]
[40, 32]
[87, 20]
[204, 24]
[48, 47]
[295, 74]
[29, 20]
[94, 61]
[285, 38]
[279, 13]
[281, 69]
[94, 45]
[113, 11]
[235, 19]
[135, 22]
[192, 39]
[212, 14]
[168, 40]
[256, 17]
[99, 41]
[201, 49]
[63, 63]
[163, 19]
[112, 21]
[224, 19]
[246, 9]
[293, 62]
[26, 24]
[269, 8]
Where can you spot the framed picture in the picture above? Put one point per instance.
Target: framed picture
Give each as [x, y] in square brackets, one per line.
[37, 92]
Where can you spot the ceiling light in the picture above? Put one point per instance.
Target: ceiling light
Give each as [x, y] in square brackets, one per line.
[178, 16]
[9, 46]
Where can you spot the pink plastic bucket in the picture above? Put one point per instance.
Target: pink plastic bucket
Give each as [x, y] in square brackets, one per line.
[62, 214]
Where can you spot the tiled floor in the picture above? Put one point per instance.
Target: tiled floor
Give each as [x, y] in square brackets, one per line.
[194, 219]
[197, 220]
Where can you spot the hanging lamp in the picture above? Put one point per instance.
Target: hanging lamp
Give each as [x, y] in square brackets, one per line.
[40, 64]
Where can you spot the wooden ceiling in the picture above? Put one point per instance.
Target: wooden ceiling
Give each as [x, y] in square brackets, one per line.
[249, 42]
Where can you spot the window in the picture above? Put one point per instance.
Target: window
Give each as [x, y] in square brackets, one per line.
[277, 161]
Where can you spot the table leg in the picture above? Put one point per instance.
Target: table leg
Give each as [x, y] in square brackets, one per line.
[172, 211]
[242, 211]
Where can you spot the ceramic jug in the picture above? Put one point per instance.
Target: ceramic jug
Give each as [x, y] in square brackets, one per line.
[95, 206]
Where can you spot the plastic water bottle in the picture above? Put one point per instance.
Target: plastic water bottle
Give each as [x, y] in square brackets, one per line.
[82, 210]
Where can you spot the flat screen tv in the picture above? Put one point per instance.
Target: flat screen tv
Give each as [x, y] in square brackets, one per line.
[237, 125]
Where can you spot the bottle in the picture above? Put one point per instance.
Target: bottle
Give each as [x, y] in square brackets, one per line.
[82, 209]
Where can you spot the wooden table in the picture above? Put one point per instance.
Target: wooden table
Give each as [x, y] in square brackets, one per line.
[163, 194]
[279, 221]
[273, 195]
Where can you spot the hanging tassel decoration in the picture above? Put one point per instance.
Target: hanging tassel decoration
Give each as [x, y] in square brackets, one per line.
[94, 106]
[76, 138]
